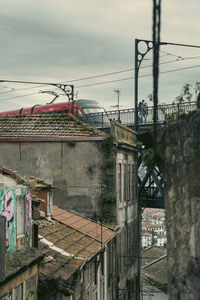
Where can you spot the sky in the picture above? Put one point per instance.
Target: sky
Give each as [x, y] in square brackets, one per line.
[60, 41]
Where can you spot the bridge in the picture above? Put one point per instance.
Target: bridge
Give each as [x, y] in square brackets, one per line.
[150, 183]
[166, 113]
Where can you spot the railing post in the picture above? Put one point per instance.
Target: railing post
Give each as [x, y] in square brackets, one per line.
[178, 109]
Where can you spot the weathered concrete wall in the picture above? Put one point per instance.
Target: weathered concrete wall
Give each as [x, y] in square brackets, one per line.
[22, 286]
[76, 168]
[179, 148]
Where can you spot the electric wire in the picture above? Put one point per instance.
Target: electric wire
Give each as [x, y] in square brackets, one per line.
[20, 96]
[111, 81]
[141, 76]
[179, 58]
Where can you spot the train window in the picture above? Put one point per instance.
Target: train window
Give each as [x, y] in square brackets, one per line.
[80, 115]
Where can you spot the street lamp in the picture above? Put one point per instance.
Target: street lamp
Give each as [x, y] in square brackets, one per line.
[139, 56]
[118, 92]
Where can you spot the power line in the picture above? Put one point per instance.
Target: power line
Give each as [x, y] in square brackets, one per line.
[12, 90]
[100, 83]
[141, 76]
[19, 96]
[111, 81]
[179, 58]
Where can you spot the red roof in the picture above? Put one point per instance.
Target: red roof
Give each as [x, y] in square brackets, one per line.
[84, 225]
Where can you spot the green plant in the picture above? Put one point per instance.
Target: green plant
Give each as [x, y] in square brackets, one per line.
[139, 145]
[72, 144]
[108, 144]
[161, 286]
[109, 162]
[109, 198]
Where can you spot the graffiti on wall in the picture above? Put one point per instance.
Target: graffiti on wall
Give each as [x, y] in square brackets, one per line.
[28, 212]
[7, 209]
[8, 212]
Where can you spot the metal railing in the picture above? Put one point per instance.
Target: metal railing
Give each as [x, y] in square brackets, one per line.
[166, 113]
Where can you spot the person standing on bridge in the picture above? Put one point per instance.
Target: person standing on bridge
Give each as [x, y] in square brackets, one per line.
[145, 111]
[141, 111]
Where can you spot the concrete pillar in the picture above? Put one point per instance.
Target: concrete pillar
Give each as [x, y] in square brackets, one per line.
[2, 248]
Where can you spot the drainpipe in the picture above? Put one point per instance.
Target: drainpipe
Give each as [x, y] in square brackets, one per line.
[2, 248]
[99, 280]
[105, 274]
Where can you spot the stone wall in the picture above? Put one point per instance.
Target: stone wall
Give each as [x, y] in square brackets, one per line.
[179, 149]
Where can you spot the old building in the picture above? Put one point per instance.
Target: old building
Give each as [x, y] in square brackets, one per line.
[18, 260]
[96, 176]
[81, 261]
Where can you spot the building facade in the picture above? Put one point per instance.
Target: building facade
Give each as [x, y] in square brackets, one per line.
[96, 176]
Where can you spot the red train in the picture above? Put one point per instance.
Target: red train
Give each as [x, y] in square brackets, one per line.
[79, 108]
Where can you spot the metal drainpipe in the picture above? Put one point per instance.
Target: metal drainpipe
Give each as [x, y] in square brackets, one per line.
[105, 274]
[99, 280]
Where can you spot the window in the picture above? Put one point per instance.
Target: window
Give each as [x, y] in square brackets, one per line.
[20, 216]
[80, 115]
[129, 183]
[124, 182]
[95, 270]
[133, 187]
[49, 203]
[19, 292]
[120, 182]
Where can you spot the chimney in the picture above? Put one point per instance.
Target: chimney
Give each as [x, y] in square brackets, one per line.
[2, 248]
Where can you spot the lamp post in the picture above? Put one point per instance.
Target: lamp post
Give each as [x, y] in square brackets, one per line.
[139, 56]
[118, 92]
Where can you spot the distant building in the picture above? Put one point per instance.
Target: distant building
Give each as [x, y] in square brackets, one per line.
[154, 223]
[146, 239]
[161, 240]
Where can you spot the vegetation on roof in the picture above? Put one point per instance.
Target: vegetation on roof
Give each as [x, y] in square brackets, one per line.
[45, 125]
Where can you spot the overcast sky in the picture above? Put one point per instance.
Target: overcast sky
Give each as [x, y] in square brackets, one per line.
[61, 41]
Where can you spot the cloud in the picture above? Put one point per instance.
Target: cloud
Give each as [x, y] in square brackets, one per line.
[59, 40]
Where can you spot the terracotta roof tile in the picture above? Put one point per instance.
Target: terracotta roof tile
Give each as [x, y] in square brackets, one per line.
[45, 125]
[84, 225]
[62, 266]
[68, 239]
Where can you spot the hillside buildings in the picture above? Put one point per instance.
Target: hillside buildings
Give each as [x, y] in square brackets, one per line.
[95, 177]
[153, 228]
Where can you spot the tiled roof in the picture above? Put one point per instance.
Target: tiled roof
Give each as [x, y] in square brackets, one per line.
[71, 240]
[59, 265]
[36, 183]
[19, 260]
[84, 225]
[157, 270]
[154, 264]
[151, 254]
[68, 240]
[59, 269]
[45, 126]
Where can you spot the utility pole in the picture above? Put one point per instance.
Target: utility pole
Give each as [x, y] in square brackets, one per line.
[118, 92]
